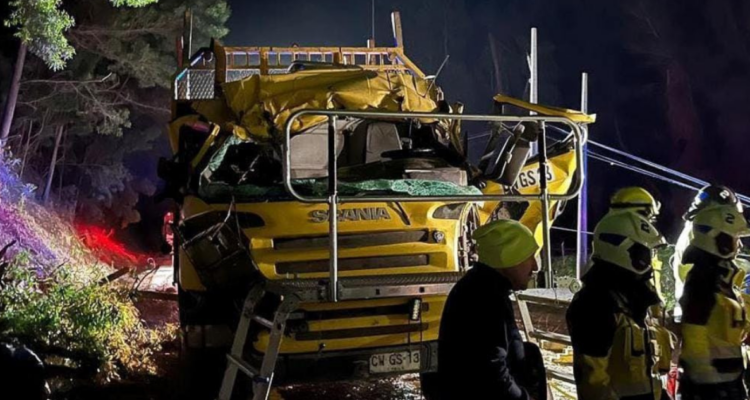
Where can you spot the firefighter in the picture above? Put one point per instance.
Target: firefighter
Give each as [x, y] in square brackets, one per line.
[714, 320]
[643, 203]
[709, 195]
[480, 350]
[614, 355]
[640, 201]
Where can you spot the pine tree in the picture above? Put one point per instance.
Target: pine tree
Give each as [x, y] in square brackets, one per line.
[112, 97]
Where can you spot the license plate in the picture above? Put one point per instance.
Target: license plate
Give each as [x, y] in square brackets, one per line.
[395, 362]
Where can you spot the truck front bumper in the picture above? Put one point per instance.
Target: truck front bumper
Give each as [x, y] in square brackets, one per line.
[344, 365]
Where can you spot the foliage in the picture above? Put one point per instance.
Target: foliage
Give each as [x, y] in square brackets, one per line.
[69, 311]
[664, 255]
[565, 266]
[139, 43]
[132, 3]
[40, 232]
[112, 99]
[12, 187]
[42, 25]
[110, 190]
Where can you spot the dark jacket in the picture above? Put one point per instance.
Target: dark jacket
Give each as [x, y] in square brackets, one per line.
[613, 356]
[480, 351]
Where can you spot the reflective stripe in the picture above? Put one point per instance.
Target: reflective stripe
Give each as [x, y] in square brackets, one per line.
[712, 353]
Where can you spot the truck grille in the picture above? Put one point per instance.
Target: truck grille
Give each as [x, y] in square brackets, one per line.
[361, 332]
[352, 240]
[353, 264]
[397, 309]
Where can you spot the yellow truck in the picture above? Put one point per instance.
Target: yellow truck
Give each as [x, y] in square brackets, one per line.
[270, 142]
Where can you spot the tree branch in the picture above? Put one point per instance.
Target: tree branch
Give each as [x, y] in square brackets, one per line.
[145, 106]
[99, 32]
[67, 82]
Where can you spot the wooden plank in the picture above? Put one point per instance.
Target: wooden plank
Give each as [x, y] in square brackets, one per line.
[114, 276]
[528, 326]
[220, 61]
[398, 34]
[409, 64]
[552, 337]
[561, 376]
[542, 300]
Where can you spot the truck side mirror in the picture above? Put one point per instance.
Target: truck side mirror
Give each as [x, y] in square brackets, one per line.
[504, 159]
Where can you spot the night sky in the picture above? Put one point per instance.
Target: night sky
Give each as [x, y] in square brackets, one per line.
[669, 80]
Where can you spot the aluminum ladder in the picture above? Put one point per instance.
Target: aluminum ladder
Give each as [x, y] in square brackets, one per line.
[262, 378]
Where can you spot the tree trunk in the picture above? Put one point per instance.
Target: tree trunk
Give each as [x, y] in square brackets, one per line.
[62, 167]
[52, 164]
[26, 148]
[10, 103]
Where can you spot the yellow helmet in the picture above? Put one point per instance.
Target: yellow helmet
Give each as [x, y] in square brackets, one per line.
[628, 240]
[717, 229]
[504, 243]
[636, 199]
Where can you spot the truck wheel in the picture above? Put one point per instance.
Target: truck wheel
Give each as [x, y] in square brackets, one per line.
[201, 373]
[202, 367]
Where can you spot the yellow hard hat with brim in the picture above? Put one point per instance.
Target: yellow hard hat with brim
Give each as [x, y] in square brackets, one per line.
[504, 243]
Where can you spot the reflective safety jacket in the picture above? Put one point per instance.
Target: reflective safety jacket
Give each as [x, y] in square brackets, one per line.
[714, 323]
[615, 351]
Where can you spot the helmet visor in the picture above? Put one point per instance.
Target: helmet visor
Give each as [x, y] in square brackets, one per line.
[641, 257]
[726, 244]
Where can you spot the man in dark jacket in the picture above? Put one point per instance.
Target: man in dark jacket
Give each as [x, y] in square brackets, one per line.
[480, 353]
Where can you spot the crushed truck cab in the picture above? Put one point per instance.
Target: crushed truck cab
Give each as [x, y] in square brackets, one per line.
[252, 133]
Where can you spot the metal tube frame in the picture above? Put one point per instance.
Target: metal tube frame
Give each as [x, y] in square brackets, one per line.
[333, 207]
[544, 192]
[333, 199]
[581, 206]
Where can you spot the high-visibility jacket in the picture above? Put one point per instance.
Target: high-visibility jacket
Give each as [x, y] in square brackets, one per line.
[714, 323]
[615, 351]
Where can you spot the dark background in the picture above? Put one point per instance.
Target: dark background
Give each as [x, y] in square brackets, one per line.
[669, 80]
